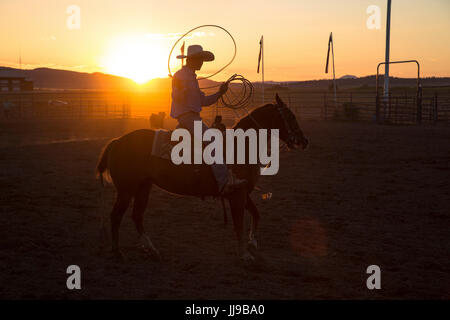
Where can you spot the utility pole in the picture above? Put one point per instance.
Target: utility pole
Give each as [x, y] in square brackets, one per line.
[388, 41]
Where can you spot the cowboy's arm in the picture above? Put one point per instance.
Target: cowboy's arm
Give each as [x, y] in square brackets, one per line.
[209, 100]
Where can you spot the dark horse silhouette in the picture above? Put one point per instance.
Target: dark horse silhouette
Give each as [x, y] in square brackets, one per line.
[133, 171]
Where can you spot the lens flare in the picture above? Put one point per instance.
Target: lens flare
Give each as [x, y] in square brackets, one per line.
[309, 238]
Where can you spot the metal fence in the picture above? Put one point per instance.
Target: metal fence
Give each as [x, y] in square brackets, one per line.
[55, 104]
[361, 106]
[307, 105]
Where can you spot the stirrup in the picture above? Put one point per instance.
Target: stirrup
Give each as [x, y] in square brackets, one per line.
[232, 184]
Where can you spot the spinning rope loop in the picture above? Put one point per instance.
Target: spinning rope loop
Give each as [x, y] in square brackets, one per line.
[204, 26]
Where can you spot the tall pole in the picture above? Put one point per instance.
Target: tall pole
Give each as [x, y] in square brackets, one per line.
[334, 72]
[388, 42]
[262, 61]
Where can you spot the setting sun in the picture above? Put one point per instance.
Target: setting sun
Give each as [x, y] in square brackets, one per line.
[135, 57]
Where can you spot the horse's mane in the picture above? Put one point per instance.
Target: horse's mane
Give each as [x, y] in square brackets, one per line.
[253, 113]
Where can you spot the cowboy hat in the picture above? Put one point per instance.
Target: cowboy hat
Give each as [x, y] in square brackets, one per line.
[196, 51]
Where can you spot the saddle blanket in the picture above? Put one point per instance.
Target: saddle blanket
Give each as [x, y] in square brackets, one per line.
[162, 145]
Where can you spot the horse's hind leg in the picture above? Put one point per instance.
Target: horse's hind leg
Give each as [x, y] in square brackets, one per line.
[251, 207]
[237, 204]
[140, 204]
[120, 206]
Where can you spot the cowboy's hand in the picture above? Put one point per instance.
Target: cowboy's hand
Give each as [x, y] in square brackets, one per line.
[223, 88]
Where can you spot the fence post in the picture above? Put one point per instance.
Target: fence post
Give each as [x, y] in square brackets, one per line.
[289, 98]
[20, 106]
[325, 106]
[396, 110]
[435, 108]
[419, 105]
[377, 108]
[33, 109]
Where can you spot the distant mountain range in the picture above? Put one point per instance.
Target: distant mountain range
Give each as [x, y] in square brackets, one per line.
[46, 78]
[348, 77]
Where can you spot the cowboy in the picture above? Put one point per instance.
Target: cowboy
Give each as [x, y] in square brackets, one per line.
[187, 103]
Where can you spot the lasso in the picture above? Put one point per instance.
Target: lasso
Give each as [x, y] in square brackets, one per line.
[231, 99]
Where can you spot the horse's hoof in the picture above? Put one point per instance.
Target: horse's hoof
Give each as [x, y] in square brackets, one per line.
[252, 247]
[152, 253]
[254, 253]
[248, 261]
[247, 257]
[252, 244]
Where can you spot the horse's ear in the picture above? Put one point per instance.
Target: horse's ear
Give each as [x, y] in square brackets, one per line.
[278, 100]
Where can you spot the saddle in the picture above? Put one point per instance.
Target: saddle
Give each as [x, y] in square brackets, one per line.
[162, 148]
[162, 145]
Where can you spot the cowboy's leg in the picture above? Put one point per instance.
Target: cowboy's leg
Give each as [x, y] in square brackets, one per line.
[220, 171]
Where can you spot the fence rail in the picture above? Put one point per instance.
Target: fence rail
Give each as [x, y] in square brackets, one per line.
[25, 105]
[313, 105]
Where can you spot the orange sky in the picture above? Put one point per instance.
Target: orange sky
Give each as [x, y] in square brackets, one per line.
[132, 38]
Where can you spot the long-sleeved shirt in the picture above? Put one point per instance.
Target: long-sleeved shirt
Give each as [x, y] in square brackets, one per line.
[186, 94]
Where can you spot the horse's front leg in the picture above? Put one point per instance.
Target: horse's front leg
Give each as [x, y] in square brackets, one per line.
[251, 207]
[237, 204]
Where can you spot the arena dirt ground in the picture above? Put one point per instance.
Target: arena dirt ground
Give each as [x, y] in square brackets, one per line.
[361, 194]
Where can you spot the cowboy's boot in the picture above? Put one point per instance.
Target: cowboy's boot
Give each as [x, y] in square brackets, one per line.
[233, 183]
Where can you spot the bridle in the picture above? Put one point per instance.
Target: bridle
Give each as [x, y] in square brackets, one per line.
[290, 123]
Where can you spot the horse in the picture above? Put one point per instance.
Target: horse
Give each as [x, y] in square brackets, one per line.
[128, 164]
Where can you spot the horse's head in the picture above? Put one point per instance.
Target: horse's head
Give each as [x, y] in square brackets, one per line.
[286, 122]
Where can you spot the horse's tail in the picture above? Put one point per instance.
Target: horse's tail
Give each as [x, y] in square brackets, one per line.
[102, 165]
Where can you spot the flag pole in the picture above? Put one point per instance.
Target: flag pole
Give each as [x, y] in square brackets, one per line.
[262, 58]
[334, 72]
[182, 53]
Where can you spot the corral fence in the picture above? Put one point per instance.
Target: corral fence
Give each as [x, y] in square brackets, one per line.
[402, 107]
[63, 104]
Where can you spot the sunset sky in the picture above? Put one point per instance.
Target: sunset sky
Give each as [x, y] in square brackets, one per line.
[133, 38]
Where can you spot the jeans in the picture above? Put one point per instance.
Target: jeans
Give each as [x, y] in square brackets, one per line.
[220, 171]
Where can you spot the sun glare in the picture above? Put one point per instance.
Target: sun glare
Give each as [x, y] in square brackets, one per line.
[137, 58]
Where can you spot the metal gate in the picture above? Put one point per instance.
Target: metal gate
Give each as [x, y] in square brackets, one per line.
[399, 109]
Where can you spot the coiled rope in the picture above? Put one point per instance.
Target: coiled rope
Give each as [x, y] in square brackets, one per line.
[237, 100]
